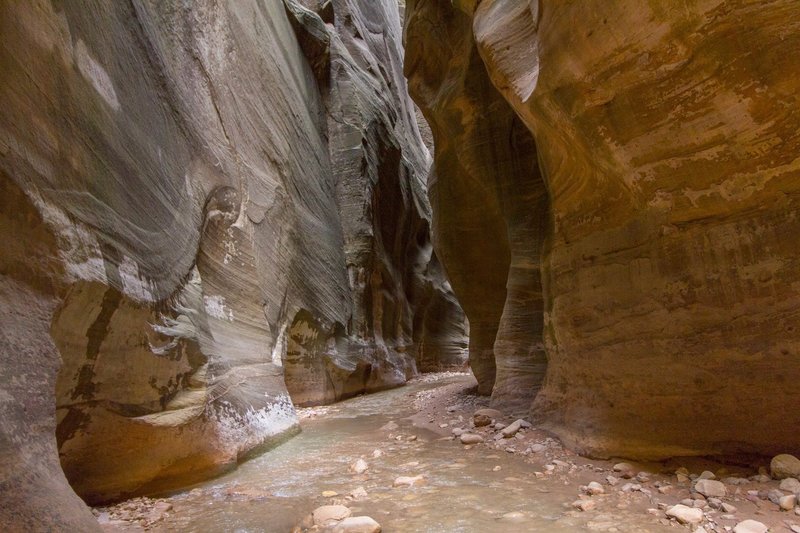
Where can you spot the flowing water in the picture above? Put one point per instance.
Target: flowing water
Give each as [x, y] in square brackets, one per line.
[463, 489]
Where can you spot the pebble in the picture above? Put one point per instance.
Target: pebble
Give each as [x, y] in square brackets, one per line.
[685, 515]
[787, 503]
[623, 467]
[594, 488]
[735, 480]
[329, 514]
[710, 487]
[707, 475]
[774, 496]
[459, 431]
[471, 438]
[484, 417]
[359, 467]
[750, 526]
[514, 516]
[497, 468]
[795, 529]
[728, 508]
[329, 493]
[537, 448]
[358, 493]
[511, 430]
[406, 481]
[584, 505]
[376, 454]
[790, 484]
[611, 480]
[357, 524]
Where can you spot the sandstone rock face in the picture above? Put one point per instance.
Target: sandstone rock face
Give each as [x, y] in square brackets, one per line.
[489, 203]
[203, 205]
[667, 140]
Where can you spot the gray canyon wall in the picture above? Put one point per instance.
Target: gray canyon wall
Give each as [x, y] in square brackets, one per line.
[627, 175]
[210, 210]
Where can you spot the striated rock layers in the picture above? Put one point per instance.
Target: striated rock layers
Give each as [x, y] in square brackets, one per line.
[203, 206]
[655, 202]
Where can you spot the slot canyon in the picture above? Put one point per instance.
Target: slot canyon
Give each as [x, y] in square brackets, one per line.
[399, 265]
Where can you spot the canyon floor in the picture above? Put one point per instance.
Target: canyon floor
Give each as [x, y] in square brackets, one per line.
[420, 477]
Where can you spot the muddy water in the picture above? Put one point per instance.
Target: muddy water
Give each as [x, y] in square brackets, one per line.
[463, 490]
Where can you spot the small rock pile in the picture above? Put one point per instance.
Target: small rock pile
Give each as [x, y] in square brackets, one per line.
[337, 519]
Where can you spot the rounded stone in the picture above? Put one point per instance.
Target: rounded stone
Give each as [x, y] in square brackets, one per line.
[750, 526]
[329, 514]
[357, 524]
[785, 465]
[685, 515]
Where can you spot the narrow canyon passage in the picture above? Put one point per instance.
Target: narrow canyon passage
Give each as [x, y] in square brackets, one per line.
[352, 266]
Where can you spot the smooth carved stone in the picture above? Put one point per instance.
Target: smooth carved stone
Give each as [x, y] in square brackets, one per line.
[204, 231]
[651, 230]
[485, 190]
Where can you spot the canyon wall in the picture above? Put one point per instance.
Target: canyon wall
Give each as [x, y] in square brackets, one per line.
[209, 211]
[662, 233]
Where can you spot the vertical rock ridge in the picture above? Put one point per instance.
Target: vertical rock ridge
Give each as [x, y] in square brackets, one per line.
[490, 205]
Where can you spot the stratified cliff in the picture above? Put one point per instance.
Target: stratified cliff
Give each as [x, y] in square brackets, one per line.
[203, 204]
[662, 231]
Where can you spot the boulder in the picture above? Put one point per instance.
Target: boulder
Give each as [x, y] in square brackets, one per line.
[785, 465]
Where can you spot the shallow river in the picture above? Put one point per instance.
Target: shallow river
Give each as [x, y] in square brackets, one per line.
[463, 490]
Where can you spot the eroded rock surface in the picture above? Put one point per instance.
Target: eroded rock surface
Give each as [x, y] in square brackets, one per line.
[489, 203]
[197, 198]
[667, 139]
